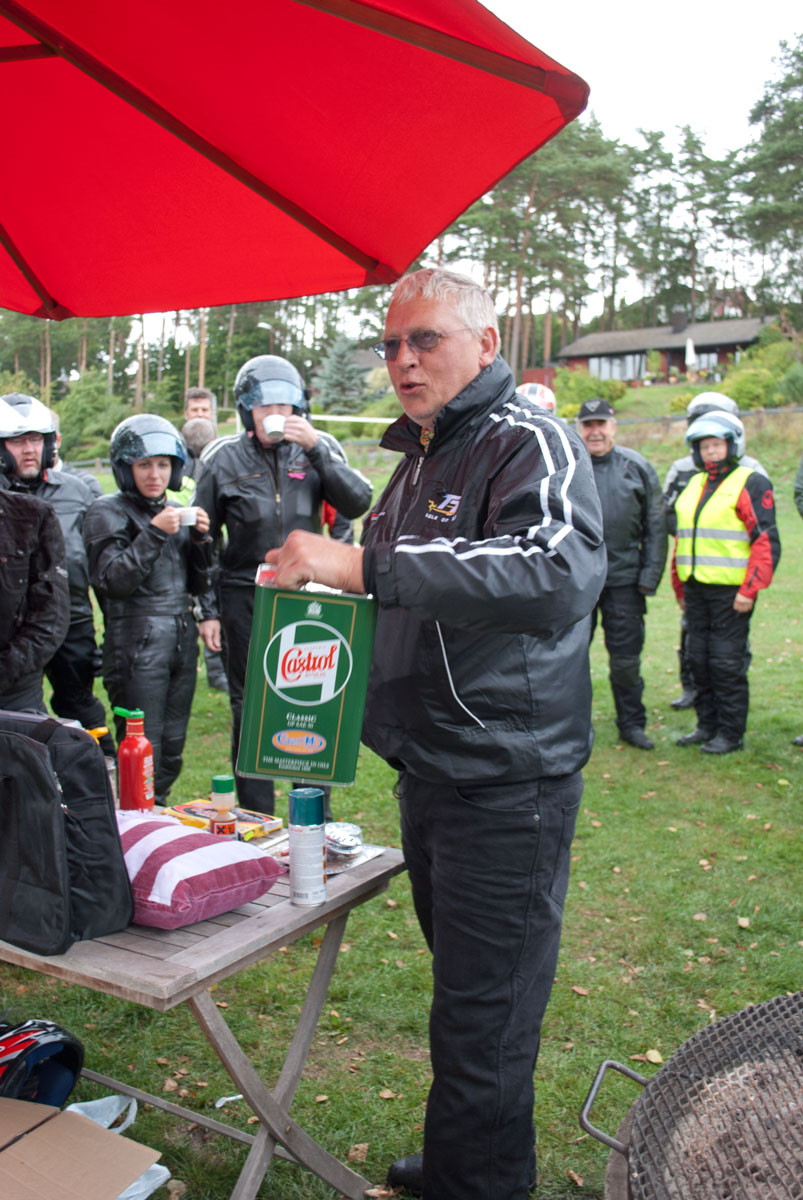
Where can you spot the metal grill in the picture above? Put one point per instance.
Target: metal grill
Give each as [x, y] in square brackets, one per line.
[723, 1120]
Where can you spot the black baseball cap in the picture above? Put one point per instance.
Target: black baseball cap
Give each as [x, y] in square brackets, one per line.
[595, 410]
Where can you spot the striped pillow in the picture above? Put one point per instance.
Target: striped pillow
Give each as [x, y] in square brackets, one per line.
[180, 874]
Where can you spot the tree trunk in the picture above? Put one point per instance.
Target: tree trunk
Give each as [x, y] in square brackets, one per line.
[229, 339]
[146, 361]
[160, 360]
[139, 382]
[48, 365]
[515, 340]
[110, 369]
[548, 333]
[202, 349]
[526, 326]
[187, 365]
[82, 347]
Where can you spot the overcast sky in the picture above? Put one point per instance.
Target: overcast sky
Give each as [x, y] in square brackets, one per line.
[657, 66]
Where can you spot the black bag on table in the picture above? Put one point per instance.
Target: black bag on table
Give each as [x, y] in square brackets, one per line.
[62, 874]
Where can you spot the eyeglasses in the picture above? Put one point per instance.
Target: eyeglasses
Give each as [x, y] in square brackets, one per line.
[420, 341]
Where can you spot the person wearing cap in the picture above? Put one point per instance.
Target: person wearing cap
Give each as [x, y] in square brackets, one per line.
[678, 475]
[258, 487]
[29, 440]
[726, 550]
[635, 538]
[146, 566]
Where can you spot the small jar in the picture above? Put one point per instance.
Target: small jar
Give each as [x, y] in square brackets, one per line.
[224, 821]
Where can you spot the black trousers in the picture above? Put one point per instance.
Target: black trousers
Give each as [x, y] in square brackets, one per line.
[489, 869]
[236, 617]
[622, 611]
[719, 652]
[71, 672]
[150, 662]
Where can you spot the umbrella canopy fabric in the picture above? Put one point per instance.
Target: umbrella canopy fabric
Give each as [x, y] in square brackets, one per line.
[174, 155]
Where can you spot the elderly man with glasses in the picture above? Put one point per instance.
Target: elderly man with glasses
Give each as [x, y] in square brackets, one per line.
[485, 554]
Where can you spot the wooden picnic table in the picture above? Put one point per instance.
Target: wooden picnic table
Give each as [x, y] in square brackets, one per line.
[163, 968]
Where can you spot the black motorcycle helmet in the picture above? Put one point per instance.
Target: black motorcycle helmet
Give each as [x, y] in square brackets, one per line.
[25, 414]
[268, 379]
[39, 1061]
[144, 436]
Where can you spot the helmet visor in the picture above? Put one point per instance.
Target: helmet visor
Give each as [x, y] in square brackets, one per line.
[153, 443]
[274, 391]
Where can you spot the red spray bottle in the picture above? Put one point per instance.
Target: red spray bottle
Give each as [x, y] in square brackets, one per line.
[134, 762]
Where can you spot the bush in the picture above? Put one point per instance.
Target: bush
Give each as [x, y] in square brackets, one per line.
[750, 387]
[679, 403]
[791, 386]
[573, 387]
[88, 415]
[611, 390]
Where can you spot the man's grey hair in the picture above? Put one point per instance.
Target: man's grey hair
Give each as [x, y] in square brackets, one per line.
[197, 433]
[201, 393]
[471, 301]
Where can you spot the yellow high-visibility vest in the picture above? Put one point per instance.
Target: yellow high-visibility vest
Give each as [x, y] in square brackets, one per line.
[715, 548]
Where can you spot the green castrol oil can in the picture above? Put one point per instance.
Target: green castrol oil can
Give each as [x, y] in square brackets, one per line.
[305, 683]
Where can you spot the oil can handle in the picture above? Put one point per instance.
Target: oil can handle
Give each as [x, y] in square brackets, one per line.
[585, 1111]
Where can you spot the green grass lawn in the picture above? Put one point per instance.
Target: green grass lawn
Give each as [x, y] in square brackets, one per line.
[684, 906]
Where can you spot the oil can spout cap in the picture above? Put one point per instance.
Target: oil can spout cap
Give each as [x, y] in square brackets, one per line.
[131, 714]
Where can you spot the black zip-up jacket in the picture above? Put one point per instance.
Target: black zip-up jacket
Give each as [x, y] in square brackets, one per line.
[34, 601]
[260, 494]
[70, 497]
[633, 518]
[486, 557]
[137, 569]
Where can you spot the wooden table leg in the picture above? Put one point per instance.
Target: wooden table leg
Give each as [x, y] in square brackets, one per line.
[272, 1106]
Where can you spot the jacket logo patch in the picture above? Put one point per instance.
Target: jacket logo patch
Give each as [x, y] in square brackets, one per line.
[767, 500]
[444, 509]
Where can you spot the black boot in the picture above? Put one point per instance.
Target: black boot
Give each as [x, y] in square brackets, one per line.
[695, 738]
[408, 1173]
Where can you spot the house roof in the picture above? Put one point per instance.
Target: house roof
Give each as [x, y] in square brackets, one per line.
[705, 334]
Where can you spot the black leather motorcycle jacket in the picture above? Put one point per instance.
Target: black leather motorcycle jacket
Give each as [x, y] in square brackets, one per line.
[260, 494]
[486, 556]
[136, 568]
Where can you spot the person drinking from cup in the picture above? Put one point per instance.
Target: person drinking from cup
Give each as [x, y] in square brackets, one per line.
[259, 487]
[145, 565]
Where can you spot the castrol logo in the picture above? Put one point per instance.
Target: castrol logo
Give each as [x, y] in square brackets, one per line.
[307, 663]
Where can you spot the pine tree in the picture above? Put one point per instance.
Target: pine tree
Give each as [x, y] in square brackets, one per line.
[340, 383]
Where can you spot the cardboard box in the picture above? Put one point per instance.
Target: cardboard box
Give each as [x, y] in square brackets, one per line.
[46, 1154]
[250, 824]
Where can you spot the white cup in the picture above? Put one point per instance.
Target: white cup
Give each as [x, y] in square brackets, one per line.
[273, 425]
[187, 516]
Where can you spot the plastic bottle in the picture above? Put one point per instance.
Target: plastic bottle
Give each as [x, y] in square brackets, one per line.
[224, 822]
[307, 844]
[135, 763]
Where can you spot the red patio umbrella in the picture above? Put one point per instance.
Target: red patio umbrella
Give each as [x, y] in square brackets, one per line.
[160, 155]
